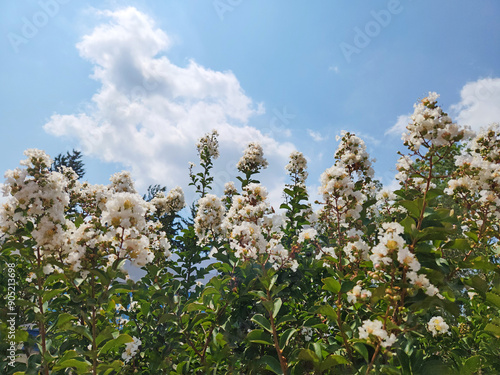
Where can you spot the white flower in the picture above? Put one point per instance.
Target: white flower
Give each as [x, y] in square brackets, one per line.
[297, 168]
[122, 182]
[307, 332]
[209, 218]
[208, 143]
[358, 292]
[170, 204]
[437, 326]
[373, 329]
[409, 259]
[131, 349]
[307, 234]
[253, 159]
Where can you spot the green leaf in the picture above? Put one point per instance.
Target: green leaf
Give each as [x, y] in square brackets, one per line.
[115, 343]
[284, 319]
[262, 321]
[258, 336]
[433, 193]
[413, 207]
[81, 365]
[101, 275]
[195, 307]
[272, 364]
[167, 317]
[493, 329]
[308, 355]
[286, 336]
[327, 311]
[277, 307]
[459, 244]
[347, 286]
[473, 236]
[105, 334]
[64, 318]
[83, 331]
[477, 283]
[47, 296]
[333, 360]
[493, 298]
[361, 349]
[331, 285]
[471, 366]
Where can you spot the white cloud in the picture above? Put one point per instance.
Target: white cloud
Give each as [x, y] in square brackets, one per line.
[479, 104]
[333, 68]
[367, 138]
[149, 113]
[316, 136]
[400, 126]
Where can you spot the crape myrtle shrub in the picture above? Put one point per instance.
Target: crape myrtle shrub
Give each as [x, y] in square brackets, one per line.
[362, 281]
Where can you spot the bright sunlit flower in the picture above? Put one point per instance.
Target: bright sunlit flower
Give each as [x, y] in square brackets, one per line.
[437, 326]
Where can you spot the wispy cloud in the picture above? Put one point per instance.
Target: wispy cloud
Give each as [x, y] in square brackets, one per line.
[316, 136]
[400, 126]
[333, 68]
[149, 112]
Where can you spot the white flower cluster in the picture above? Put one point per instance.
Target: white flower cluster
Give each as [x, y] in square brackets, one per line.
[122, 182]
[338, 191]
[374, 330]
[437, 326]
[358, 293]
[209, 218]
[353, 155]
[390, 242]
[170, 204]
[356, 251]
[38, 196]
[208, 143]
[253, 159]
[246, 225]
[478, 175]
[131, 349]
[115, 218]
[392, 245]
[430, 126]
[297, 168]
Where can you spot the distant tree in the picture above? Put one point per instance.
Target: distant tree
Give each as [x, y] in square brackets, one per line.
[72, 159]
[153, 190]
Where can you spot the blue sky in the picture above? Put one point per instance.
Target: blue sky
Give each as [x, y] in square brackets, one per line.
[133, 84]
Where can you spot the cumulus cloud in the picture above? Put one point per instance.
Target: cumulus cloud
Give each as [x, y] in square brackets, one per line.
[149, 113]
[479, 103]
